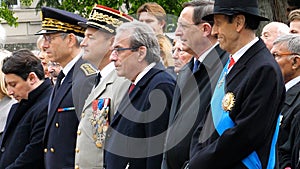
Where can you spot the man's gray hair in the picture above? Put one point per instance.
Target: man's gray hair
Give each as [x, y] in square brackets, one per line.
[292, 42]
[140, 34]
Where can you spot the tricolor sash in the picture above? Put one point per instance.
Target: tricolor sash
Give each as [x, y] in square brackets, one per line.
[222, 122]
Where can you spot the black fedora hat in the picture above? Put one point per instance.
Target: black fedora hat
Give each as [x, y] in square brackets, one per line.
[105, 19]
[232, 7]
[56, 20]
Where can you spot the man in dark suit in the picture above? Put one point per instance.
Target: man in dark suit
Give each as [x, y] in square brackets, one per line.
[62, 44]
[136, 136]
[22, 141]
[241, 127]
[194, 87]
[286, 51]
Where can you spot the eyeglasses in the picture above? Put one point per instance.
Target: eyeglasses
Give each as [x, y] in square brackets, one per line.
[117, 50]
[49, 38]
[276, 55]
[184, 25]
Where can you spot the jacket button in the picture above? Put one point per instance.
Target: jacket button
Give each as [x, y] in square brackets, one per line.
[56, 125]
[78, 132]
[76, 167]
[82, 115]
[52, 150]
[45, 150]
[77, 150]
[2, 149]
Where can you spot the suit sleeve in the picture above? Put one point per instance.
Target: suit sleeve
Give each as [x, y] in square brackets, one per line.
[255, 114]
[34, 150]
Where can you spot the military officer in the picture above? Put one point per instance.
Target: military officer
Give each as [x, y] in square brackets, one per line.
[105, 97]
[62, 44]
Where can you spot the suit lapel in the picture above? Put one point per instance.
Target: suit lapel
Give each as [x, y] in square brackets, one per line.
[241, 63]
[127, 99]
[59, 96]
[292, 94]
[99, 89]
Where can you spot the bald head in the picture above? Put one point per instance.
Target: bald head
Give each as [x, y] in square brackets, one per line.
[272, 31]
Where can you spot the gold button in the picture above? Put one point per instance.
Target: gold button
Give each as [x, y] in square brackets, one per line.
[45, 150]
[78, 132]
[76, 167]
[82, 115]
[77, 150]
[52, 150]
[56, 125]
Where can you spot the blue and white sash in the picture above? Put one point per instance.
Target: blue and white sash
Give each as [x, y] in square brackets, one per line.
[222, 122]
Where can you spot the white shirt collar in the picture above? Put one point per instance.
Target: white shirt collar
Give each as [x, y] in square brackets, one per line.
[237, 55]
[69, 66]
[142, 74]
[203, 56]
[292, 83]
[106, 70]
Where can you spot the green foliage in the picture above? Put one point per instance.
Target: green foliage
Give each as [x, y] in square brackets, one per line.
[8, 15]
[83, 7]
[26, 2]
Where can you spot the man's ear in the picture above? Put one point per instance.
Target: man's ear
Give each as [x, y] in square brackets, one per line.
[111, 40]
[206, 28]
[162, 24]
[240, 22]
[296, 63]
[142, 53]
[32, 78]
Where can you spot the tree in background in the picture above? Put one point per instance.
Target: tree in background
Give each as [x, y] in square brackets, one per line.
[273, 9]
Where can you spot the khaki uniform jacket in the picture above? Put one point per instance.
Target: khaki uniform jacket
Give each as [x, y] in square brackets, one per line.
[88, 155]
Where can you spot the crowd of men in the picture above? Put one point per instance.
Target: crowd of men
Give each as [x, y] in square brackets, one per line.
[116, 99]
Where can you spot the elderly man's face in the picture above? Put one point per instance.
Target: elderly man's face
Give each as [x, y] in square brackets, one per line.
[124, 56]
[285, 59]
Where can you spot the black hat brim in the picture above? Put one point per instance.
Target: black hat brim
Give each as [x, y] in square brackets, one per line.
[41, 32]
[210, 17]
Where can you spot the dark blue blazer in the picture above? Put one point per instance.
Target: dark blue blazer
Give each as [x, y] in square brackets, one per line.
[288, 140]
[61, 126]
[257, 84]
[22, 141]
[191, 97]
[137, 132]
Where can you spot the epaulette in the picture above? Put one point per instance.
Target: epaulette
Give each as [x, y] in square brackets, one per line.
[88, 69]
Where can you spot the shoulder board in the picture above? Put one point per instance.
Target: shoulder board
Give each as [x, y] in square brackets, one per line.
[88, 69]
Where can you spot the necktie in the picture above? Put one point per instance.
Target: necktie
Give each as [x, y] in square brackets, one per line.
[131, 87]
[231, 62]
[60, 76]
[97, 78]
[196, 66]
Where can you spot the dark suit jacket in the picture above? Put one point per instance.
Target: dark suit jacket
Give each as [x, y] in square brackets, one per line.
[61, 127]
[83, 81]
[287, 137]
[191, 98]
[22, 142]
[138, 129]
[257, 84]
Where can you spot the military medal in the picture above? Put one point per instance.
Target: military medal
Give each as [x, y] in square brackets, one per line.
[228, 101]
[100, 120]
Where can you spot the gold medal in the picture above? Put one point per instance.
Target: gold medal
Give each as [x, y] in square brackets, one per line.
[98, 144]
[228, 101]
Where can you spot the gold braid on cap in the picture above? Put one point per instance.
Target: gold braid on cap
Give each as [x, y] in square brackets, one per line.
[98, 16]
[53, 24]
